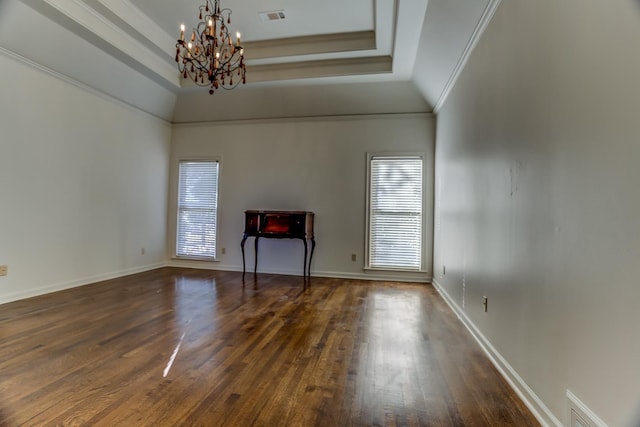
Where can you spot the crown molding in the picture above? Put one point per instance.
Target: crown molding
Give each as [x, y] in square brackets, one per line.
[306, 119]
[71, 81]
[483, 23]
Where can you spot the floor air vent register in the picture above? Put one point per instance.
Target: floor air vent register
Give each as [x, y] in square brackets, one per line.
[579, 415]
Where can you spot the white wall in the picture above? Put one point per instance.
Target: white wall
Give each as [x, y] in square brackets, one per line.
[265, 102]
[537, 200]
[83, 184]
[63, 50]
[307, 164]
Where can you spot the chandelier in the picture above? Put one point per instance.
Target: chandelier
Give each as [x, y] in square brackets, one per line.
[211, 58]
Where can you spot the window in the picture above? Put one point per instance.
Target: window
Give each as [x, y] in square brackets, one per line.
[197, 212]
[394, 239]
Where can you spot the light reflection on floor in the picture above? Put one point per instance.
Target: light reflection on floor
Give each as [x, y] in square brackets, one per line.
[191, 299]
[394, 328]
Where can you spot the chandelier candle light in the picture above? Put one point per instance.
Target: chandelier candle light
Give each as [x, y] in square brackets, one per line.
[211, 58]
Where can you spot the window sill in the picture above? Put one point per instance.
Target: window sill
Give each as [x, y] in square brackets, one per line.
[397, 274]
[201, 259]
[393, 270]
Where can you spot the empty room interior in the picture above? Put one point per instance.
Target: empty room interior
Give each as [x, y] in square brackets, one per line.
[444, 192]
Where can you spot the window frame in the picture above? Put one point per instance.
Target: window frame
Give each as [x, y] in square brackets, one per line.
[175, 200]
[395, 154]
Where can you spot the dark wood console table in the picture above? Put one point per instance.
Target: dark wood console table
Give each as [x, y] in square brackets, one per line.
[279, 225]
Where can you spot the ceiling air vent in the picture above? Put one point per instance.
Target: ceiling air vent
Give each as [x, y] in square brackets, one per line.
[272, 15]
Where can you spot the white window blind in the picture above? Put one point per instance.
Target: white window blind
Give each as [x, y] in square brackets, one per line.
[395, 212]
[197, 209]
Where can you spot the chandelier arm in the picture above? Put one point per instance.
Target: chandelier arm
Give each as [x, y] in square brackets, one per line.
[194, 77]
[199, 65]
[234, 65]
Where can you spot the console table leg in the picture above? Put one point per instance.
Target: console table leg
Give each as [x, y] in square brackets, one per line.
[313, 248]
[304, 263]
[244, 239]
[255, 265]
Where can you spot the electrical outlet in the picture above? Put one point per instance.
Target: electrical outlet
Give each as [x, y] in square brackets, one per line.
[444, 270]
[3, 270]
[353, 257]
[223, 251]
[142, 251]
[485, 303]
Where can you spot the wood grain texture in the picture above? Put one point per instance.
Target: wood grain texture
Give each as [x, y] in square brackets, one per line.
[196, 348]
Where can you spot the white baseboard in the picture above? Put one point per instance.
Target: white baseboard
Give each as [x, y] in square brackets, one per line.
[397, 277]
[533, 402]
[202, 265]
[75, 283]
[378, 275]
[215, 265]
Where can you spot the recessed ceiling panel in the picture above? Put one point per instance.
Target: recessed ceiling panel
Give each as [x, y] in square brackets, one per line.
[303, 17]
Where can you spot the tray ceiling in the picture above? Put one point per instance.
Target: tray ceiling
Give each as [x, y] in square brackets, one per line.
[358, 44]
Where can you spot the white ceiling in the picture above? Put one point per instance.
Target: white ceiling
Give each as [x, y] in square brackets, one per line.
[126, 48]
[303, 17]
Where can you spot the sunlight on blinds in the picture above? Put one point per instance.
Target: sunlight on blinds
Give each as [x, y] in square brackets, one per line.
[395, 212]
[197, 209]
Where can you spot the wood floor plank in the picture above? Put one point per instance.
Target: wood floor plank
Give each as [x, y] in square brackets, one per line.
[200, 348]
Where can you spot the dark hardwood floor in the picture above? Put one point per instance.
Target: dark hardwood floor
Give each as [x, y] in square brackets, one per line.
[193, 348]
